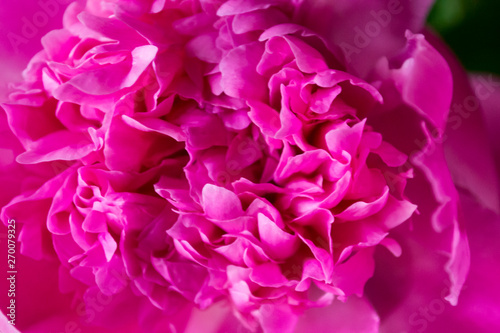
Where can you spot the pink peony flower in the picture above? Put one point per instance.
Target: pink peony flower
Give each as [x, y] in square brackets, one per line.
[245, 166]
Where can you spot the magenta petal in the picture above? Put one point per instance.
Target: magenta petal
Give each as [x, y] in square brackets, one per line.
[278, 243]
[34, 237]
[290, 124]
[362, 209]
[277, 318]
[477, 309]
[237, 156]
[257, 20]
[355, 315]
[156, 125]
[390, 155]
[186, 277]
[364, 31]
[123, 140]
[322, 99]
[419, 299]
[220, 203]
[58, 216]
[115, 77]
[446, 216]
[30, 123]
[95, 222]
[308, 59]
[233, 7]
[61, 145]
[268, 275]
[216, 319]
[265, 117]
[210, 133]
[487, 90]
[6, 326]
[351, 276]
[344, 138]
[243, 152]
[203, 47]
[239, 73]
[467, 145]
[422, 62]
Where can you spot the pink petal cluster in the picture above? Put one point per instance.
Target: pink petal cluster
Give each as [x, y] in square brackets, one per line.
[198, 152]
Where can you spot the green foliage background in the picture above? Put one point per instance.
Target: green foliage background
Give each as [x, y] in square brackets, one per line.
[472, 29]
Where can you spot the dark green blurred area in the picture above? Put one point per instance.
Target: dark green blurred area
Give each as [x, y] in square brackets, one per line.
[472, 29]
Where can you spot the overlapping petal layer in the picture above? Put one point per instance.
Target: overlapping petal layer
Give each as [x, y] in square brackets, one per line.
[229, 159]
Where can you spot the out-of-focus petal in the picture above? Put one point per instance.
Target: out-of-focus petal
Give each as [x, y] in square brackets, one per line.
[421, 62]
[364, 31]
[487, 90]
[411, 296]
[355, 315]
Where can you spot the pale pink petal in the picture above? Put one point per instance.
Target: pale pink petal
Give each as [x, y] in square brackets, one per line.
[356, 315]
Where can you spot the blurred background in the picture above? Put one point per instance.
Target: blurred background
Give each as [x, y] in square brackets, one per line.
[472, 29]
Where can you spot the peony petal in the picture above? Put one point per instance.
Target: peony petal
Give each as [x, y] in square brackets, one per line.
[233, 7]
[265, 117]
[238, 69]
[344, 138]
[276, 242]
[257, 20]
[361, 209]
[115, 77]
[268, 275]
[486, 88]
[61, 145]
[276, 318]
[123, 141]
[419, 62]
[364, 31]
[355, 315]
[351, 275]
[419, 298]
[220, 203]
[156, 125]
[30, 123]
[308, 59]
[467, 146]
